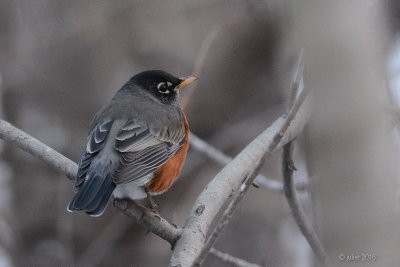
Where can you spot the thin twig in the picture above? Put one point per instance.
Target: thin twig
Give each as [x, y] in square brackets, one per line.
[231, 259]
[208, 150]
[200, 61]
[297, 79]
[298, 213]
[221, 158]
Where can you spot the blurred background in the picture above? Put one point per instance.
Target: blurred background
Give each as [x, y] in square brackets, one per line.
[61, 61]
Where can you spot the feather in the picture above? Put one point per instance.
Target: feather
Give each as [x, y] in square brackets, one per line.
[94, 195]
[97, 140]
[142, 151]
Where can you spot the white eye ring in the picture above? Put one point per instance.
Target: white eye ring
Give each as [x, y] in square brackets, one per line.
[159, 86]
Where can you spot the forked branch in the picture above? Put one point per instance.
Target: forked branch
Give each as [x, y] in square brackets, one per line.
[229, 179]
[140, 215]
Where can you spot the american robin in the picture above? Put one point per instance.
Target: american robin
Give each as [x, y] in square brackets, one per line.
[136, 145]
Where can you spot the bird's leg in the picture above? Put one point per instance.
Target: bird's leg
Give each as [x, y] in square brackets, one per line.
[153, 206]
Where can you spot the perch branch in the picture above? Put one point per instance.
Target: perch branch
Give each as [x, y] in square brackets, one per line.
[149, 220]
[13, 135]
[136, 212]
[133, 210]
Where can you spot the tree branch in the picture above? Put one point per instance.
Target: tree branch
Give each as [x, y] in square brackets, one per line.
[227, 215]
[280, 132]
[133, 210]
[298, 213]
[136, 212]
[229, 179]
[232, 260]
[221, 158]
[212, 152]
[200, 61]
[11, 134]
[298, 78]
[149, 220]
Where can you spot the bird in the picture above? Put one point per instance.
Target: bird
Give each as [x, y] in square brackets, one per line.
[136, 146]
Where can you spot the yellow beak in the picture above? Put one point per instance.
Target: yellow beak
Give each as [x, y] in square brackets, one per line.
[186, 81]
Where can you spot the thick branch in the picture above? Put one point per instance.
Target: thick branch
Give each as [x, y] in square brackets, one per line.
[11, 134]
[227, 215]
[229, 179]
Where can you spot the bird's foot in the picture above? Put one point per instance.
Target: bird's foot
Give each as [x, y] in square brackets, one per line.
[152, 204]
[153, 208]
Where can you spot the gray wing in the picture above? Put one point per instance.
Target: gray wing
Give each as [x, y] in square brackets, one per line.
[96, 141]
[144, 149]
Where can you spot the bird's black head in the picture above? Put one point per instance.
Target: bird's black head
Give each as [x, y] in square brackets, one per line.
[160, 84]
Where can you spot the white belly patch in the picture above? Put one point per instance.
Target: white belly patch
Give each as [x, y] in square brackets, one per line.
[134, 189]
[129, 190]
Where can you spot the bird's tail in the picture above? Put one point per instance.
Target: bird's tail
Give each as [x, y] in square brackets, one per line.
[94, 195]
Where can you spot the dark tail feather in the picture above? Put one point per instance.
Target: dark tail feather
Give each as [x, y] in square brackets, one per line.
[94, 195]
[99, 209]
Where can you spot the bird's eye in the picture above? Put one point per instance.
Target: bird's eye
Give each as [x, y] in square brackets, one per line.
[163, 88]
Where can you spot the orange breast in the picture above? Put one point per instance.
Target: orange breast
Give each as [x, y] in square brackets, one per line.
[166, 175]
